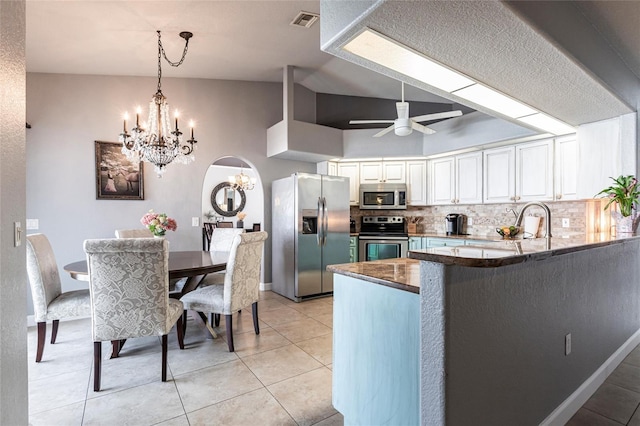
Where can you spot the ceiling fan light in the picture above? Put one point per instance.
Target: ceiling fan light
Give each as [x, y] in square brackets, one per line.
[403, 127]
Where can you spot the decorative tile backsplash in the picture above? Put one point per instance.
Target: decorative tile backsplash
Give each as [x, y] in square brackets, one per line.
[485, 218]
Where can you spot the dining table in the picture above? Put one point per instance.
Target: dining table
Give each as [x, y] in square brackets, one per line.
[192, 265]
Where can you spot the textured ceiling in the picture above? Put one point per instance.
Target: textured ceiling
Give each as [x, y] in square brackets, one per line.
[491, 43]
[252, 40]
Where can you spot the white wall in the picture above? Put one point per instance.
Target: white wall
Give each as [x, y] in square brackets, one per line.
[13, 275]
[69, 112]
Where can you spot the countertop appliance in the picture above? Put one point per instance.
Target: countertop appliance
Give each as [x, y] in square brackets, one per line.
[382, 237]
[383, 196]
[454, 223]
[310, 230]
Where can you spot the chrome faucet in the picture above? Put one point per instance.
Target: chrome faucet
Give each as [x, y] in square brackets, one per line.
[547, 213]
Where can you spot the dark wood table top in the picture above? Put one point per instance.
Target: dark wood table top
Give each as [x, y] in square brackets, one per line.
[181, 264]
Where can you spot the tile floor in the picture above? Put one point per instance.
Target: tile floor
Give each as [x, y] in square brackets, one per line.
[281, 377]
[617, 400]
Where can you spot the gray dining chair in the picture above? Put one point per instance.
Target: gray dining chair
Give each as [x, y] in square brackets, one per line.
[50, 303]
[241, 284]
[129, 285]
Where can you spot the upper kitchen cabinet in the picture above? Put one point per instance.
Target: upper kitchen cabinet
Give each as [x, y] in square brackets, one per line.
[383, 171]
[519, 173]
[352, 171]
[566, 168]
[456, 179]
[417, 182]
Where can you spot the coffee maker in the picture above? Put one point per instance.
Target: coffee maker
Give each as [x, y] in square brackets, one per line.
[453, 222]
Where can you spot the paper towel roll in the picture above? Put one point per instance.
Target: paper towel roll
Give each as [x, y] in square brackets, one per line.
[531, 225]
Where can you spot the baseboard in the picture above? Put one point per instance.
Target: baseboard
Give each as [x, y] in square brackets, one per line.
[265, 286]
[563, 413]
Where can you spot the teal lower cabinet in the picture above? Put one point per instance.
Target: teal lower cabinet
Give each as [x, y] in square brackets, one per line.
[417, 243]
[376, 353]
[353, 249]
[443, 242]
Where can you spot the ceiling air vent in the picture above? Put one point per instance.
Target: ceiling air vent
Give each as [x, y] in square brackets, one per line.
[305, 19]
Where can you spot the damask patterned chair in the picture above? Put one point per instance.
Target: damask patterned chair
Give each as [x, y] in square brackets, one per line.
[129, 284]
[241, 284]
[49, 302]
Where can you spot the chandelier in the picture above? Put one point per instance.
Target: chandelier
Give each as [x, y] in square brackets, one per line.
[242, 181]
[155, 141]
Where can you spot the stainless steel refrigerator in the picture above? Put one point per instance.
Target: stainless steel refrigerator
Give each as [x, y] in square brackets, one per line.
[310, 230]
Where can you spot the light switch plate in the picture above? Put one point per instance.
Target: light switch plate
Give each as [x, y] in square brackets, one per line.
[32, 224]
[17, 234]
[195, 221]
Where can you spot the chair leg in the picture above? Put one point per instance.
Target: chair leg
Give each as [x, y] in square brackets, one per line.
[216, 318]
[97, 364]
[184, 322]
[229, 321]
[180, 332]
[42, 333]
[164, 357]
[254, 310]
[54, 330]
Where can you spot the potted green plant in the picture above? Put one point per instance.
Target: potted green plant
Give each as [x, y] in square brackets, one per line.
[625, 194]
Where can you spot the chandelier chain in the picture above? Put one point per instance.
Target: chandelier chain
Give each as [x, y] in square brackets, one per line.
[162, 53]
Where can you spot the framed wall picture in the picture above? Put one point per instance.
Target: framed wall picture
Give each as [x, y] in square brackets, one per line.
[117, 178]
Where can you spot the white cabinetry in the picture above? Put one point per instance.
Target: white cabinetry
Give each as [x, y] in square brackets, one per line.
[456, 180]
[519, 173]
[383, 171]
[566, 164]
[352, 171]
[417, 182]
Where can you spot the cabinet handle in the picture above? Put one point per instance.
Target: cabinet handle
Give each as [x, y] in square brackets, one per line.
[512, 198]
[559, 196]
[518, 197]
[453, 201]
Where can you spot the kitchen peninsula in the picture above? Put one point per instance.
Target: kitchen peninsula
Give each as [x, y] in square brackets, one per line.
[508, 332]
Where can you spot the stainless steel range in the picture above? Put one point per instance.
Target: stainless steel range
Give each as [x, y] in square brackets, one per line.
[382, 237]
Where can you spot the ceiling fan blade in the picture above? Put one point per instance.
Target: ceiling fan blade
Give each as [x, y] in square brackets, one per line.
[437, 116]
[424, 129]
[403, 109]
[370, 121]
[384, 132]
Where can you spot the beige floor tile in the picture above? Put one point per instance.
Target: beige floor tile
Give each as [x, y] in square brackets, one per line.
[66, 415]
[306, 397]
[61, 362]
[585, 417]
[128, 371]
[614, 402]
[335, 420]
[208, 386]
[280, 364]
[281, 316]
[303, 329]
[626, 376]
[319, 347]
[269, 304]
[242, 323]
[176, 421]
[58, 391]
[249, 343]
[198, 354]
[147, 404]
[326, 319]
[634, 357]
[314, 307]
[256, 407]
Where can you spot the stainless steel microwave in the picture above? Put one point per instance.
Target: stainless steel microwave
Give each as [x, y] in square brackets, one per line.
[383, 196]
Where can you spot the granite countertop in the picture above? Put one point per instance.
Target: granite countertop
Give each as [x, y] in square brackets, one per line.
[508, 252]
[402, 273]
[457, 237]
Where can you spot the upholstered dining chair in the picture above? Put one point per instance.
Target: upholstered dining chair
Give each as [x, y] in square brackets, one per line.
[224, 224]
[129, 285]
[221, 240]
[49, 302]
[133, 233]
[241, 284]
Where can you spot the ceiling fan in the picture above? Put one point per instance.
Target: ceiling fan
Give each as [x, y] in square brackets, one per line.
[404, 125]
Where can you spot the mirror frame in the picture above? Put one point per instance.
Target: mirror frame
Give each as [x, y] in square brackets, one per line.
[220, 186]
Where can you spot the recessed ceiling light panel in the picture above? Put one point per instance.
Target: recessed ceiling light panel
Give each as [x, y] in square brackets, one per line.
[548, 124]
[388, 53]
[485, 96]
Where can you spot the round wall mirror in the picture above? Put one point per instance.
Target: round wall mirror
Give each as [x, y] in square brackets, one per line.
[226, 200]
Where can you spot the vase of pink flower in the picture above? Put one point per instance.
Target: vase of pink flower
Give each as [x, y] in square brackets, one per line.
[158, 223]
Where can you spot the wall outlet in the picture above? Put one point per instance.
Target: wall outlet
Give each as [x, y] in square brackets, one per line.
[32, 224]
[195, 221]
[469, 221]
[567, 344]
[565, 223]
